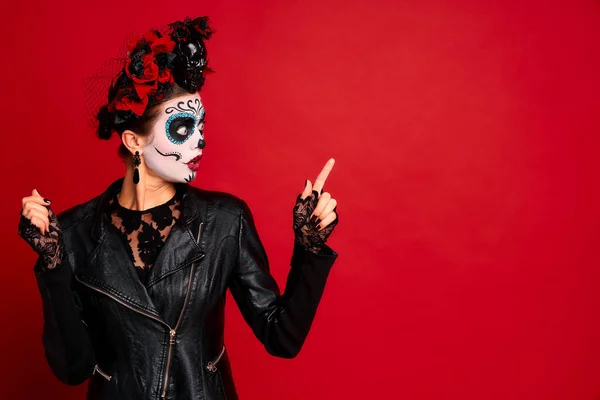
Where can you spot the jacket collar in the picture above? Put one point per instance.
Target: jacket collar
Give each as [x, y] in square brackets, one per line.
[191, 207]
[109, 268]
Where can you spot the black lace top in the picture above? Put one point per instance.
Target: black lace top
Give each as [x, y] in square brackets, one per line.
[145, 232]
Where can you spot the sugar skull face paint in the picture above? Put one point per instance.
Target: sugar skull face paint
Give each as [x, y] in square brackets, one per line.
[175, 149]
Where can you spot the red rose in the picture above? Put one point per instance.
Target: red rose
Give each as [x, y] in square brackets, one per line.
[147, 73]
[144, 89]
[126, 99]
[149, 69]
[165, 75]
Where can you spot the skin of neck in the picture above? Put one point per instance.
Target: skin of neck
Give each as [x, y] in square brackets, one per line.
[151, 191]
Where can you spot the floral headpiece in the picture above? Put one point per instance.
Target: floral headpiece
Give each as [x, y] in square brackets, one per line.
[157, 59]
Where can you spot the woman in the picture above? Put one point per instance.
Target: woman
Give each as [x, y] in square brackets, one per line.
[133, 282]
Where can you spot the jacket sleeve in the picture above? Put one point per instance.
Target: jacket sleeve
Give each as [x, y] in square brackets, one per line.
[280, 322]
[67, 345]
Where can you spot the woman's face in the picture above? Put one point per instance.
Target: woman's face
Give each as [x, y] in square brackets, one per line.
[177, 139]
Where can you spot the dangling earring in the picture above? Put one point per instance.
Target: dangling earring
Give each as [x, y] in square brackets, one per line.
[136, 163]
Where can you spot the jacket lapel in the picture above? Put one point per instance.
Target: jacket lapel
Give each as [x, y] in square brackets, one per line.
[180, 250]
[109, 268]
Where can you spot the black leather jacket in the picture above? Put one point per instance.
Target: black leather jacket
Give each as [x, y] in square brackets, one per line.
[166, 340]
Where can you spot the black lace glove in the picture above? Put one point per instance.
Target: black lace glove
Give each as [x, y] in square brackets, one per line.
[49, 246]
[307, 232]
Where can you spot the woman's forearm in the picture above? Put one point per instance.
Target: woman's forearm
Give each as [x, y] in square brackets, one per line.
[280, 321]
[67, 345]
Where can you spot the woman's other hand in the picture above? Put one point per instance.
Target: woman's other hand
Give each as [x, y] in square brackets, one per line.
[314, 212]
[38, 226]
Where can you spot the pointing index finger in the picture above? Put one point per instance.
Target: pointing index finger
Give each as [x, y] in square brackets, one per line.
[322, 177]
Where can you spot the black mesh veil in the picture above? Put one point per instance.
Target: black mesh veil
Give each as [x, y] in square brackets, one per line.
[144, 68]
[96, 86]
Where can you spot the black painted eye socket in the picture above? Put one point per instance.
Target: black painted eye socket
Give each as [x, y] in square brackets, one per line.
[180, 127]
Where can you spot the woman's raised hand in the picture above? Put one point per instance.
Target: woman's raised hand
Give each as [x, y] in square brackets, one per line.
[314, 212]
[38, 226]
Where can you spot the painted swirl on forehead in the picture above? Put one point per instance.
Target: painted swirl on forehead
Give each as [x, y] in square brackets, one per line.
[192, 105]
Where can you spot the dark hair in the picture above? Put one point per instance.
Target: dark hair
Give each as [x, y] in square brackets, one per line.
[107, 124]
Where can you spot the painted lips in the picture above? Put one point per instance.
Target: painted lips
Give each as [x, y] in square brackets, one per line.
[194, 163]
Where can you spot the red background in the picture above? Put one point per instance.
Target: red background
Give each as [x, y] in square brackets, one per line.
[465, 135]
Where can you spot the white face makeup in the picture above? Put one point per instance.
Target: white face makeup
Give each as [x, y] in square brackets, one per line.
[175, 150]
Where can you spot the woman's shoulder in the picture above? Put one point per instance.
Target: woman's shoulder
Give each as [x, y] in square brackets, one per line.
[220, 200]
[223, 201]
[76, 214]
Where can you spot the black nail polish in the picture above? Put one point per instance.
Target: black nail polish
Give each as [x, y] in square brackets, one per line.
[47, 201]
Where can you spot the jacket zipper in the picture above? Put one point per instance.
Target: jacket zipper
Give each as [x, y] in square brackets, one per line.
[212, 365]
[104, 374]
[172, 331]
